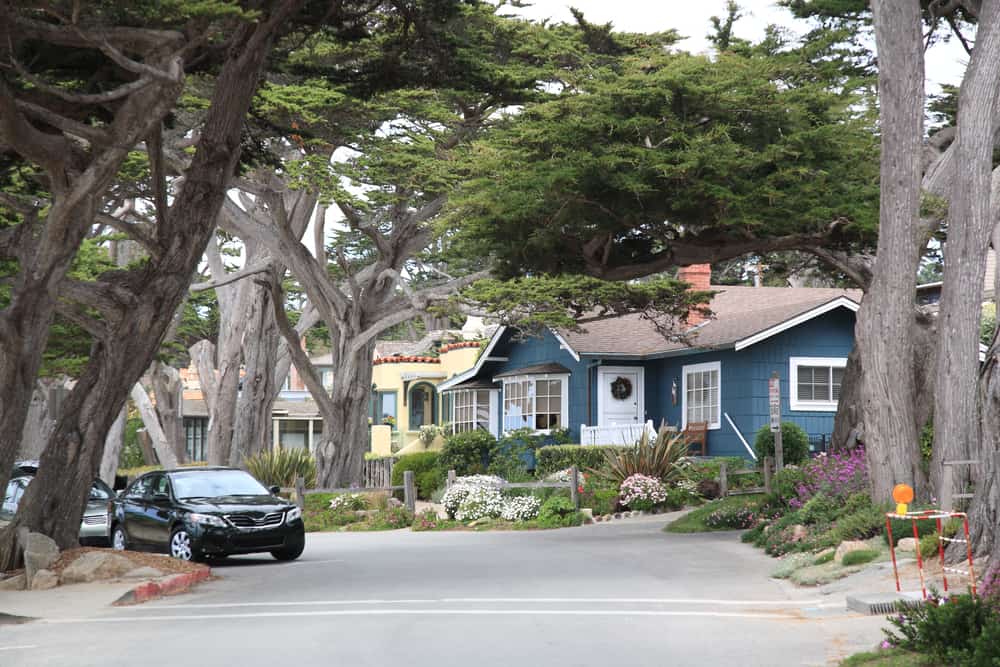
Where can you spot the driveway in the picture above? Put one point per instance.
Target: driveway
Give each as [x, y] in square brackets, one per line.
[623, 593]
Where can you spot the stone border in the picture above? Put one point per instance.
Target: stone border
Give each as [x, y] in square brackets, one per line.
[627, 515]
[178, 583]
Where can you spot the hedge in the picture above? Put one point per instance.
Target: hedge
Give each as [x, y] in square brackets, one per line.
[559, 457]
[426, 472]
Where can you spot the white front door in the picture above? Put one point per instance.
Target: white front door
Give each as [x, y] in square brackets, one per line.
[619, 395]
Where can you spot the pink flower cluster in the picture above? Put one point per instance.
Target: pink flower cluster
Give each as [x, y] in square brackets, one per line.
[837, 475]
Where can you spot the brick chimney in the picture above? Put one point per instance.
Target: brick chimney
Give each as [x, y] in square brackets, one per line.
[699, 277]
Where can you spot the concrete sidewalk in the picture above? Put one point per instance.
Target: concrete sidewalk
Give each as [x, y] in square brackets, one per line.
[64, 601]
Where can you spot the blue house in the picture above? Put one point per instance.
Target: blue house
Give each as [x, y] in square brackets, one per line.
[606, 381]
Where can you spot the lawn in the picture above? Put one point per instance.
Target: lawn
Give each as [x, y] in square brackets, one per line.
[888, 658]
[694, 521]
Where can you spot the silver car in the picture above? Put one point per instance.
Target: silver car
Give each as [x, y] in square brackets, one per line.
[94, 528]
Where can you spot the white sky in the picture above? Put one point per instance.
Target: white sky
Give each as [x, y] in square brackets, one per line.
[945, 62]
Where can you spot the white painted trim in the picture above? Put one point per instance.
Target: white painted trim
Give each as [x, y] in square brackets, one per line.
[471, 373]
[697, 368]
[640, 390]
[564, 345]
[740, 435]
[839, 302]
[495, 412]
[563, 395]
[794, 403]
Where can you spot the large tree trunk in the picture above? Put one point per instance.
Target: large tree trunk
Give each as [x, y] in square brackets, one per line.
[113, 445]
[956, 418]
[886, 317]
[253, 431]
[164, 448]
[340, 455]
[169, 392]
[984, 514]
[54, 502]
[41, 419]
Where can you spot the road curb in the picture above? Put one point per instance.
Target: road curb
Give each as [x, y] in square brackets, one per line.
[178, 583]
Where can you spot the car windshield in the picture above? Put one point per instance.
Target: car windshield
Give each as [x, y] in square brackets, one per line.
[101, 491]
[216, 484]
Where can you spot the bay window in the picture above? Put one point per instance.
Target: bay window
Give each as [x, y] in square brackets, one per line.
[536, 402]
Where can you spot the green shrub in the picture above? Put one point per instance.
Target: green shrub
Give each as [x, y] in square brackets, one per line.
[426, 472]
[929, 545]
[962, 632]
[861, 525]
[786, 481]
[904, 528]
[825, 558]
[467, 453]
[820, 508]
[280, 467]
[709, 469]
[857, 502]
[859, 557]
[553, 458]
[558, 512]
[663, 458]
[794, 443]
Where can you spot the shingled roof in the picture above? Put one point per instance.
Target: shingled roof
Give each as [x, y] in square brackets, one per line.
[738, 313]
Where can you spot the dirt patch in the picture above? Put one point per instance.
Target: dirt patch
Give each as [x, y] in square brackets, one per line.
[165, 564]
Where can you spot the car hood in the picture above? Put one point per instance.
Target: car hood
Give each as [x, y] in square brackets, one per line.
[253, 504]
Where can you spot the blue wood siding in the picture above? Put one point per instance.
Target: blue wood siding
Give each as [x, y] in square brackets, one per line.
[545, 348]
[743, 382]
[745, 375]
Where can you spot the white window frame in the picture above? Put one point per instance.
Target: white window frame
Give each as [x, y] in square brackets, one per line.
[490, 405]
[793, 383]
[563, 379]
[700, 368]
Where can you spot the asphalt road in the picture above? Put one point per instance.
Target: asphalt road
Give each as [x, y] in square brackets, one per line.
[602, 595]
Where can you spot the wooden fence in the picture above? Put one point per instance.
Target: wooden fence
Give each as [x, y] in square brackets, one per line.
[573, 485]
[408, 487]
[725, 474]
[377, 473]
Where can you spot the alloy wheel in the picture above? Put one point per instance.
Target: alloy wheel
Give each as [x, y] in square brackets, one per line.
[180, 545]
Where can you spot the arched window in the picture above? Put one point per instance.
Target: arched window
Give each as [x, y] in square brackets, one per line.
[423, 405]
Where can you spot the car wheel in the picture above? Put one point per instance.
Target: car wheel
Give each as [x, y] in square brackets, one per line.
[292, 550]
[119, 541]
[180, 545]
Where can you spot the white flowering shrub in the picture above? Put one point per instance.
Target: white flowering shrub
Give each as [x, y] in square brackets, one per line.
[563, 476]
[688, 485]
[348, 501]
[481, 502]
[454, 496]
[520, 508]
[642, 492]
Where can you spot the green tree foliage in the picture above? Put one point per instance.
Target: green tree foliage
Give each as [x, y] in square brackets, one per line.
[650, 157]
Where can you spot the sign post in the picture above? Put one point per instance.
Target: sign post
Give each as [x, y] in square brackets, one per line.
[774, 399]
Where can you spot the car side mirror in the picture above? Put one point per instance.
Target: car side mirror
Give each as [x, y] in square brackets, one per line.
[274, 489]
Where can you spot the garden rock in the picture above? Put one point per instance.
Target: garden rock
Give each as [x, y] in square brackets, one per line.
[44, 580]
[15, 583]
[395, 502]
[95, 565]
[907, 544]
[799, 532]
[588, 514]
[40, 551]
[847, 547]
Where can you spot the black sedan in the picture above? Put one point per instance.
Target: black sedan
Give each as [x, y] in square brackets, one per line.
[198, 513]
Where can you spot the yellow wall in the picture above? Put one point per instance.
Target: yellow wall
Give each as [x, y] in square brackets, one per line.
[389, 376]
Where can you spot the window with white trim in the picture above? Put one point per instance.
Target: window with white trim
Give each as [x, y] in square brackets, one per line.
[702, 394]
[471, 410]
[814, 382]
[535, 402]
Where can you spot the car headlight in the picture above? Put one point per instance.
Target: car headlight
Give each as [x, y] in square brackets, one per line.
[293, 514]
[207, 519]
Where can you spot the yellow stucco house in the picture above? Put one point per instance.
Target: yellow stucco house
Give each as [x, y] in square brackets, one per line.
[405, 397]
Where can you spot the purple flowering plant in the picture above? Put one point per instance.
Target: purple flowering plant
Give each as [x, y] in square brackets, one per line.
[837, 475]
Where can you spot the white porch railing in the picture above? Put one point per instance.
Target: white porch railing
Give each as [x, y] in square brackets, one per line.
[616, 434]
